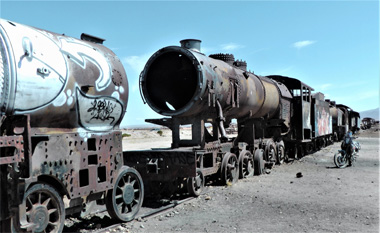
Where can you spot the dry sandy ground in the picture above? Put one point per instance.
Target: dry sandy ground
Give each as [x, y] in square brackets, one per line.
[324, 199]
[141, 139]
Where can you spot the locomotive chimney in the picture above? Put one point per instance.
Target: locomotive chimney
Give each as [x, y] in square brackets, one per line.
[192, 44]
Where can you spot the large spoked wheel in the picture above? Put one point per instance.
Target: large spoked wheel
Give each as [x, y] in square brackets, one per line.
[270, 153]
[246, 166]
[45, 211]
[196, 184]
[281, 158]
[258, 161]
[124, 201]
[230, 169]
[340, 160]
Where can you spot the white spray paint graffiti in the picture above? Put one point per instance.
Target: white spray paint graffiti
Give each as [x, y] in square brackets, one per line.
[44, 63]
[80, 52]
[41, 67]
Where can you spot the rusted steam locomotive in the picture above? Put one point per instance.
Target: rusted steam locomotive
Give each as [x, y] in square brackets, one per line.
[278, 117]
[62, 100]
[344, 119]
[368, 122]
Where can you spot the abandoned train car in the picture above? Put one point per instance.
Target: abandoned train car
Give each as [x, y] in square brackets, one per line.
[277, 117]
[62, 100]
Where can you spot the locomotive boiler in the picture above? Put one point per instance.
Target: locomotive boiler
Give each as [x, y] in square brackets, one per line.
[61, 100]
[183, 83]
[205, 93]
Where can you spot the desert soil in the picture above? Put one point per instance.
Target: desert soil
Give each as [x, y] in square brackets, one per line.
[324, 199]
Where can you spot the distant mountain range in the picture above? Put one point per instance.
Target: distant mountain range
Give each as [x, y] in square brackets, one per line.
[374, 113]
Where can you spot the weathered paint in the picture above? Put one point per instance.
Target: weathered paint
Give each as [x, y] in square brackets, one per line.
[182, 82]
[43, 71]
[61, 102]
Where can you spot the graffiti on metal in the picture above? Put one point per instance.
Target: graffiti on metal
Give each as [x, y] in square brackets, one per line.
[98, 113]
[322, 121]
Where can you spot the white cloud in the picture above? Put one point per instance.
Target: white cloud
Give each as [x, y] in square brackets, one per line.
[371, 94]
[302, 44]
[231, 46]
[136, 63]
[326, 86]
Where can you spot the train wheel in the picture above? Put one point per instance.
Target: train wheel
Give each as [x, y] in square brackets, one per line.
[245, 164]
[124, 201]
[45, 211]
[270, 152]
[258, 160]
[195, 184]
[230, 169]
[281, 155]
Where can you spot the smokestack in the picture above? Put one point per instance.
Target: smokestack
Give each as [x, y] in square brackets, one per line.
[192, 44]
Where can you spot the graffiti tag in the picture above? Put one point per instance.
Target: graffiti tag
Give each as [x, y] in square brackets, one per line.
[102, 110]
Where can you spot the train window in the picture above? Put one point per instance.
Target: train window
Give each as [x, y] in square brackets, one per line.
[306, 94]
[296, 92]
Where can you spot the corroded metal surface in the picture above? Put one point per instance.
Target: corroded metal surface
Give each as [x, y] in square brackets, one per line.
[178, 81]
[61, 102]
[60, 74]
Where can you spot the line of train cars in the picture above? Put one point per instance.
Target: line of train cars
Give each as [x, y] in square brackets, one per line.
[62, 100]
[368, 122]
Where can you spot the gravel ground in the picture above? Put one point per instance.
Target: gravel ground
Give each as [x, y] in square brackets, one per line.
[324, 199]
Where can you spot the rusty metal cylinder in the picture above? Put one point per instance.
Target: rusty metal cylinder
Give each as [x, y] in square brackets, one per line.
[60, 81]
[182, 82]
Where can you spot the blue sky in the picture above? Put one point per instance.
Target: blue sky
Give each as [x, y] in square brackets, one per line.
[333, 46]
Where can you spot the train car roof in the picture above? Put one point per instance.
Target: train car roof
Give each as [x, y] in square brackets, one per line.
[291, 83]
[348, 108]
[343, 106]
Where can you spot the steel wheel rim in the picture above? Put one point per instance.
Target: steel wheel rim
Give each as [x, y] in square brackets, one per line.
[247, 166]
[195, 184]
[198, 181]
[281, 156]
[232, 166]
[126, 194]
[44, 211]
